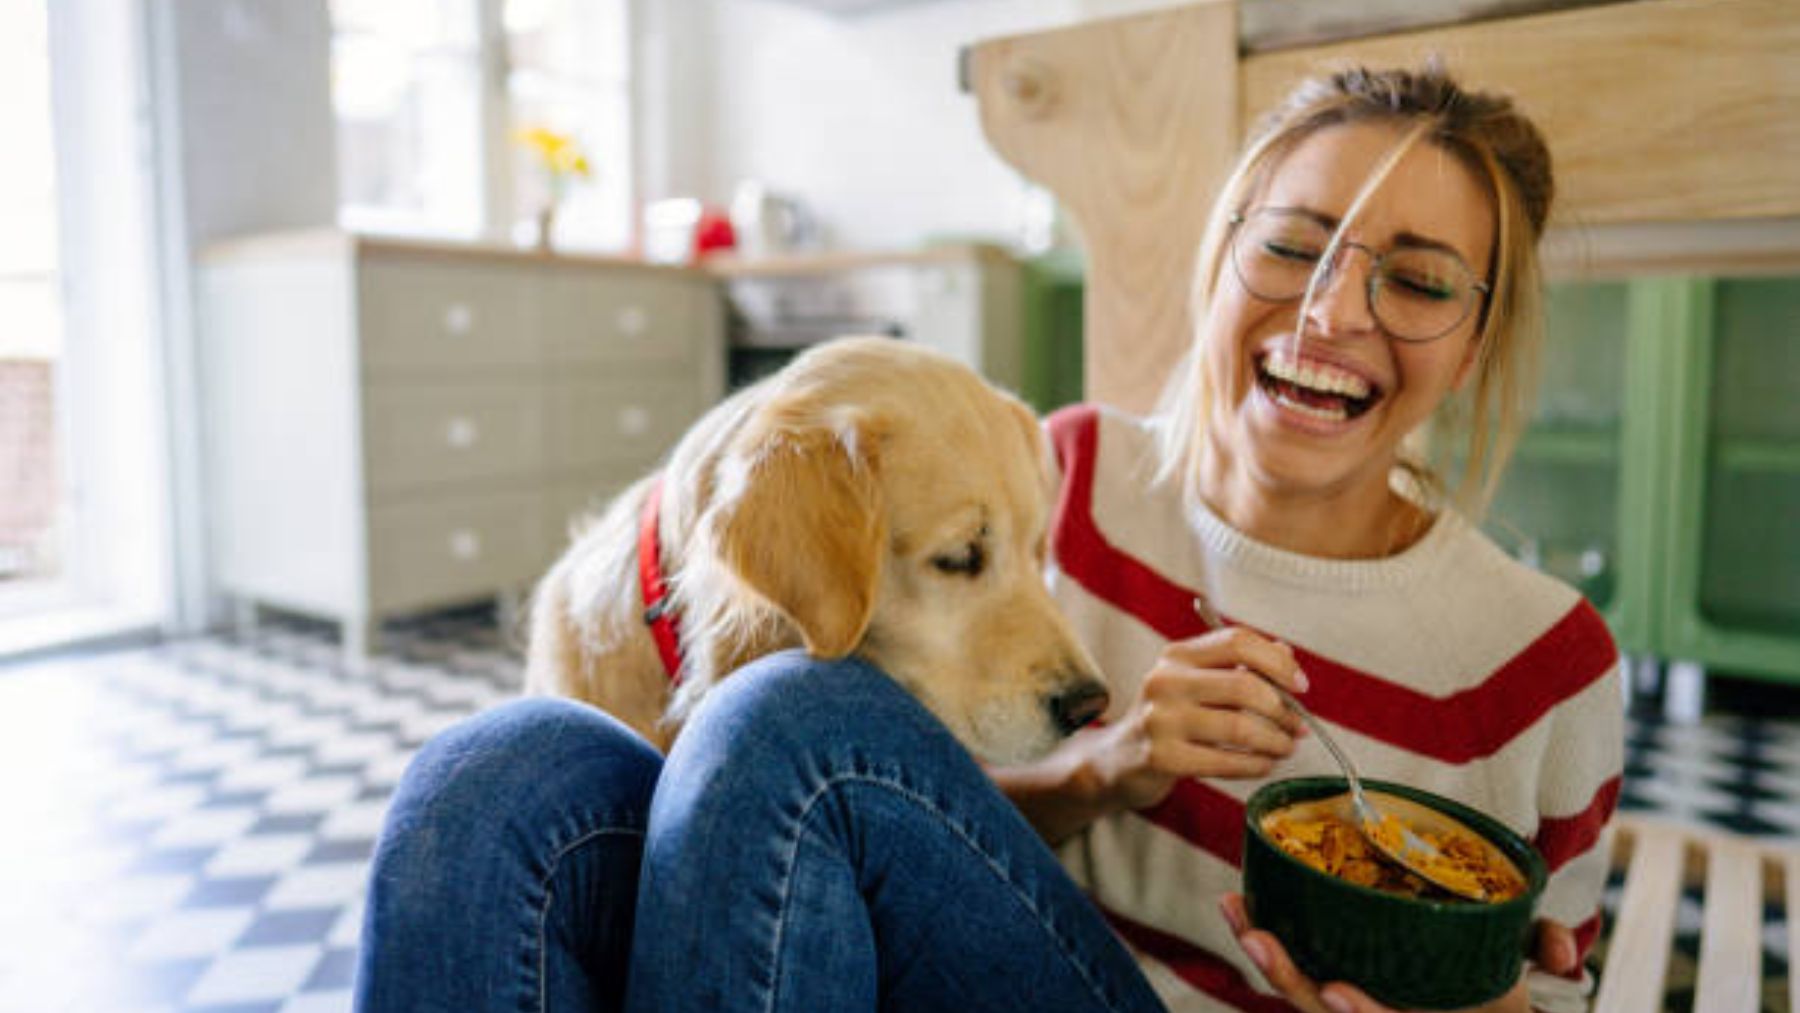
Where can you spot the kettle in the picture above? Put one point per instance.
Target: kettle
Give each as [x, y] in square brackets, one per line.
[768, 223]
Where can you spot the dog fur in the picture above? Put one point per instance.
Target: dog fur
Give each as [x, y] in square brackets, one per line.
[875, 498]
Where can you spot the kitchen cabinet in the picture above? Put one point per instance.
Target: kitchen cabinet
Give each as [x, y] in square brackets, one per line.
[965, 300]
[1661, 473]
[393, 427]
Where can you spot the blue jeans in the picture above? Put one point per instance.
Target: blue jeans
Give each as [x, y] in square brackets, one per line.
[816, 841]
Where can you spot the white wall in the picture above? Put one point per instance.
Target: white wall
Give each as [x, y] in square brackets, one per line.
[251, 86]
[240, 93]
[860, 115]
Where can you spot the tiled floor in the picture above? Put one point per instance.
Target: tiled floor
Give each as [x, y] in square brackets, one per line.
[187, 826]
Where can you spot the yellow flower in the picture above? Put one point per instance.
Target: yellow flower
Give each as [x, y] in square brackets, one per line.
[558, 153]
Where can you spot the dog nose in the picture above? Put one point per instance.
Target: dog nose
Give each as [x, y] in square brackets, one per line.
[1078, 705]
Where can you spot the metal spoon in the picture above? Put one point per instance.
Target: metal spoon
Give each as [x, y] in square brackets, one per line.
[1415, 854]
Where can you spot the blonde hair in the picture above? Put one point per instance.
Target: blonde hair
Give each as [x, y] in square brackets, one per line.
[1504, 151]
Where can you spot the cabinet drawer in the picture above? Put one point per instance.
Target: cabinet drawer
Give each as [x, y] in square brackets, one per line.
[435, 314]
[422, 434]
[453, 550]
[628, 317]
[624, 422]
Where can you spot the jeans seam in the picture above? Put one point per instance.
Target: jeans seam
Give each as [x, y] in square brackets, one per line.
[549, 896]
[919, 799]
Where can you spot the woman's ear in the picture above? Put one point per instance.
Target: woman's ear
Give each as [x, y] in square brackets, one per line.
[799, 519]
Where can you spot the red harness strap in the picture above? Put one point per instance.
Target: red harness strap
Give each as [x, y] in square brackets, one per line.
[659, 613]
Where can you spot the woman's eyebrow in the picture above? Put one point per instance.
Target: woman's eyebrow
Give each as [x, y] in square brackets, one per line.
[1410, 240]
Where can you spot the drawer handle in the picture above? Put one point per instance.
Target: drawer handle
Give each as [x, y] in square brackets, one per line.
[633, 321]
[634, 420]
[465, 544]
[461, 432]
[459, 318]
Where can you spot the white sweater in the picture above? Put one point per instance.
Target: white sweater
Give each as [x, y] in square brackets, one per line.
[1449, 666]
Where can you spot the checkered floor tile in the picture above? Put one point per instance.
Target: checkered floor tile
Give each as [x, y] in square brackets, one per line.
[188, 826]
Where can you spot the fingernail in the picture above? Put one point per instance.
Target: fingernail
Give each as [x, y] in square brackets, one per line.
[1301, 682]
[1231, 919]
[1338, 1003]
[1259, 954]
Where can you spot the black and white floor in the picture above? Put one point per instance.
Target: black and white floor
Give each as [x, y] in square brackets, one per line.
[187, 826]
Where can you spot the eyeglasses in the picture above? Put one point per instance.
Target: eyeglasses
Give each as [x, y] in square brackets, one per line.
[1416, 293]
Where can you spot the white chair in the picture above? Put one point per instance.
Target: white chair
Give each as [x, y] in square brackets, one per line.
[1741, 875]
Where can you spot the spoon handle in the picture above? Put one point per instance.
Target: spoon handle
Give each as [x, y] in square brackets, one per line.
[1211, 617]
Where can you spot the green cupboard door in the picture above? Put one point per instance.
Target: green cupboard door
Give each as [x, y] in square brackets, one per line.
[1742, 607]
[1558, 507]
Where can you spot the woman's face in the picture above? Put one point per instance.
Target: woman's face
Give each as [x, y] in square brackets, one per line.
[1281, 420]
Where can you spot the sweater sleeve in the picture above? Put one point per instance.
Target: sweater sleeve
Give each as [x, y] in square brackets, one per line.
[1578, 791]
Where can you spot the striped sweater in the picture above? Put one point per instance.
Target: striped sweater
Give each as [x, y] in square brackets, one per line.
[1449, 666]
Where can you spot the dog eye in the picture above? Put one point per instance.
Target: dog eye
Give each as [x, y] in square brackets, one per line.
[966, 563]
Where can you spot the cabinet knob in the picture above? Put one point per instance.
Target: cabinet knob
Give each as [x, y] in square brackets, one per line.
[459, 318]
[633, 321]
[634, 420]
[465, 544]
[461, 432]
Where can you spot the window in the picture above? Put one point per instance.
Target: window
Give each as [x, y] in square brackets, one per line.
[430, 94]
[568, 70]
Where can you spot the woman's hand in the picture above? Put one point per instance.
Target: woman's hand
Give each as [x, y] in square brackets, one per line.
[1555, 952]
[1204, 710]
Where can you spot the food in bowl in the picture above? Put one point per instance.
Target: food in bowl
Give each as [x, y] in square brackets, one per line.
[1331, 843]
[1423, 951]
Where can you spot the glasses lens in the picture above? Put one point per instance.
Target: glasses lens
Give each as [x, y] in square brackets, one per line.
[1421, 294]
[1417, 294]
[1276, 251]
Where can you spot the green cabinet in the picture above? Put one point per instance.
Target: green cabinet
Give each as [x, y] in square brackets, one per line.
[1661, 473]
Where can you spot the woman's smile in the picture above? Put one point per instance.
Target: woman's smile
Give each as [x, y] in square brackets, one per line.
[1316, 390]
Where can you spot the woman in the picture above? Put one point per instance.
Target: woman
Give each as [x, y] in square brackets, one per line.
[1285, 491]
[817, 841]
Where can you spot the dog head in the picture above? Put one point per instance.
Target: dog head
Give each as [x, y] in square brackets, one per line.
[890, 503]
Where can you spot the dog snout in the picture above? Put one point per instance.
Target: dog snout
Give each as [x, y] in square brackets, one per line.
[1078, 705]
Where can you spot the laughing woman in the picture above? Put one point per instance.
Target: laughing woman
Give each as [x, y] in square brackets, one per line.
[817, 841]
[1370, 269]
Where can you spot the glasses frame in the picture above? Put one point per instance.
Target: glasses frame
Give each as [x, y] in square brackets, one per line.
[1482, 288]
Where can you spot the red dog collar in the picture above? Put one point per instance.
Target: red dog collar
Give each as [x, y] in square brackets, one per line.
[659, 612]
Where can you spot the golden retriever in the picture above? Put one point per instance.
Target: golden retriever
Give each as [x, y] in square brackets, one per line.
[873, 497]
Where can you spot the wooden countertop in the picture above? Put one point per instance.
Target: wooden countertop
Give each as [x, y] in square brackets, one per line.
[833, 261]
[336, 242]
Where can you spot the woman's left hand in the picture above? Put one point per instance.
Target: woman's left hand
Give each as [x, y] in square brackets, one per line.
[1271, 958]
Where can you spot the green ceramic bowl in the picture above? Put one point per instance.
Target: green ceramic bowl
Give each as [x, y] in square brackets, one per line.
[1409, 952]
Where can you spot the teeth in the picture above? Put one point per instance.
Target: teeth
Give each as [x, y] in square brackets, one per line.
[1316, 376]
[1337, 414]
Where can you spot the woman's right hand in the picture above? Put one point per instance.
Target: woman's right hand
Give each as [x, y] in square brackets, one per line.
[1206, 709]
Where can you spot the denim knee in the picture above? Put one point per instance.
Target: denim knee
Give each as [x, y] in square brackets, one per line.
[523, 762]
[790, 699]
[507, 869]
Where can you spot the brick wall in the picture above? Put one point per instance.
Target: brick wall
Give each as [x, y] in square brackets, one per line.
[28, 465]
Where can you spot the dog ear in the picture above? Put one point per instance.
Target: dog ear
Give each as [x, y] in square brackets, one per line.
[799, 520]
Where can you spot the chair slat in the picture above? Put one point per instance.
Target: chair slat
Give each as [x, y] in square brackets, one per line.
[1792, 874]
[1646, 924]
[1730, 979]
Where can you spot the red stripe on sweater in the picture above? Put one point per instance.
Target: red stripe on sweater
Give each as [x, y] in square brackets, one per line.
[1196, 966]
[1464, 726]
[1203, 816]
[1561, 838]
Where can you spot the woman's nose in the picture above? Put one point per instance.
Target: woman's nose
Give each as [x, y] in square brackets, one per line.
[1340, 302]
